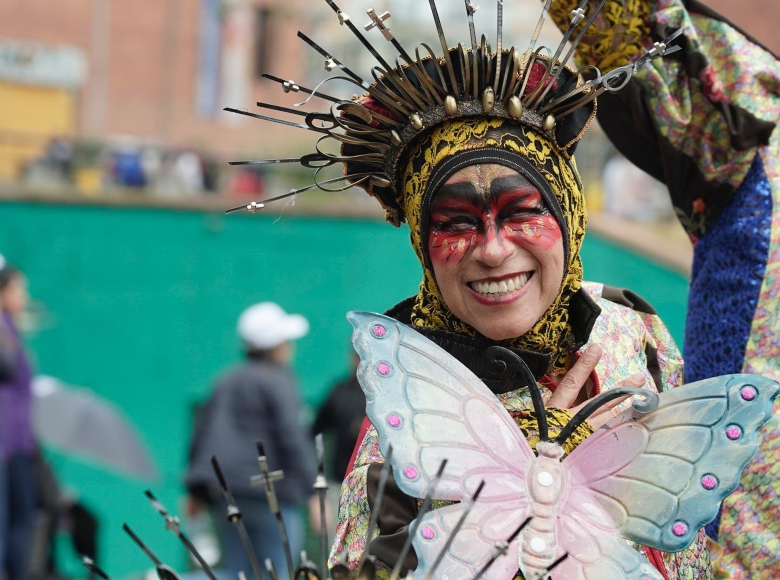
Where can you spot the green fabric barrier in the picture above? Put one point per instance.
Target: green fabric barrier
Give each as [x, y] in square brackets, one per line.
[140, 305]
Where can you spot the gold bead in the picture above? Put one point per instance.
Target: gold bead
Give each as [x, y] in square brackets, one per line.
[416, 120]
[488, 100]
[450, 105]
[395, 138]
[549, 123]
[515, 107]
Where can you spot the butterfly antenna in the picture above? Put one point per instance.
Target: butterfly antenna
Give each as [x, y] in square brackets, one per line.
[503, 359]
[321, 485]
[426, 505]
[455, 530]
[501, 549]
[172, 524]
[542, 575]
[234, 517]
[648, 403]
[380, 493]
[267, 479]
[94, 569]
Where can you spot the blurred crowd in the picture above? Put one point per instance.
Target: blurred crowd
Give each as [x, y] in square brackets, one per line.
[94, 168]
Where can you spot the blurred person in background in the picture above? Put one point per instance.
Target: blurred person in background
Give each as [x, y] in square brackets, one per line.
[339, 419]
[257, 400]
[18, 501]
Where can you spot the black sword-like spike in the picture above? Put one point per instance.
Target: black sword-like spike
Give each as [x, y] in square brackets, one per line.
[269, 566]
[273, 503]
[380, 493]
[327, 55]
[273, 120]
[542, 575]
[321, 485]
[454, 532]
[499, 43]
[470, 10]
[300, 88]
[363, 40]
[445, 47]
[501, 549]
[94, 569]
[172, 524]
[234, 517]
[129, 531]
[396, 573]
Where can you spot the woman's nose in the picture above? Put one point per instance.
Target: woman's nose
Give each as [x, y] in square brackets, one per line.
[494, 249]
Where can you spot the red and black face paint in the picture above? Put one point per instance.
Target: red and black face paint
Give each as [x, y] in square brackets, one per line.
[461, 217]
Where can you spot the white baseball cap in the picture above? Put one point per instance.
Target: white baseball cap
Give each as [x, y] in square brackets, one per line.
[266, 325]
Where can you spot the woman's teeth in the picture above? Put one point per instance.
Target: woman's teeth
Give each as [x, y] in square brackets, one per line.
[502, 287]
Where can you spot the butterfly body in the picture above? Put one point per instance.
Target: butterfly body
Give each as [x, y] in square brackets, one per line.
[653, 477]
[546, 482]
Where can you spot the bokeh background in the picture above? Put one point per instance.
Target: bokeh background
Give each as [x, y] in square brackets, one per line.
[113, 185]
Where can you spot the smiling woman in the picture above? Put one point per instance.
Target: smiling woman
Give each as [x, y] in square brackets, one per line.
[496, 251]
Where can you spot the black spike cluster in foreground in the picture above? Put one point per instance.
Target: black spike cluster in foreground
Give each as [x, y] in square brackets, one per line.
[307, 570]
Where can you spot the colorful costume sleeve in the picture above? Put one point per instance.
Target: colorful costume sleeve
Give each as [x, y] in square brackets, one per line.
[703, 121]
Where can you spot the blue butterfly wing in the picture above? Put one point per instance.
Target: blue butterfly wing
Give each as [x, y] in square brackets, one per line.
[661, 476]
[430, 407]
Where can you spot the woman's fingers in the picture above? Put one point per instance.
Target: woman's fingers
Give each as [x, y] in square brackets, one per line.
[569, 388]
[609, 411]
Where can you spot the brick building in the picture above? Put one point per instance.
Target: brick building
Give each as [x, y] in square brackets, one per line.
[151, 71]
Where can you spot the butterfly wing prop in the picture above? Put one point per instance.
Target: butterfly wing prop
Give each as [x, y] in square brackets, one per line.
[659, 477]
[430, 407]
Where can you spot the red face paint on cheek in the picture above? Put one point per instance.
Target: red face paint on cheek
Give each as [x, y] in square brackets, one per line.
[525, 221]
[456, 227]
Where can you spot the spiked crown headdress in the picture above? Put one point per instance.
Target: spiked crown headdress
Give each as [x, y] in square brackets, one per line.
[533, 88]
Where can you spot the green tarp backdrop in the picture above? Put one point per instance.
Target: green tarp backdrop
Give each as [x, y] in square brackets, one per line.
[140, 305]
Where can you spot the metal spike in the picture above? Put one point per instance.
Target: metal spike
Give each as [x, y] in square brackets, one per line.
[321, 485]
[396, 573]
[499, 42]
[172, 524]
[539, 26]
[328, 56]
[273, 120]
[445, 48]
[454, 532]
[359, 36]
[234, 517]
[470, 10]
[299, 88]
[501, 549]
[267, 479]
[93, 568]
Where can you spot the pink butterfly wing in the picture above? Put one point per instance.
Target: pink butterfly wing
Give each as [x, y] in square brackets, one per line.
[484, 526]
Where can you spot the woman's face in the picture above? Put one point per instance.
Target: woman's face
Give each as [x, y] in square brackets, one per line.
[14, 297]
[497, 252]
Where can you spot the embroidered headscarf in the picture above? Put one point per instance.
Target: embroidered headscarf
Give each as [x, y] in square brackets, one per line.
[461, 143]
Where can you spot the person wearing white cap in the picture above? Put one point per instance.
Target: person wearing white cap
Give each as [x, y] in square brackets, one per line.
[256, 400]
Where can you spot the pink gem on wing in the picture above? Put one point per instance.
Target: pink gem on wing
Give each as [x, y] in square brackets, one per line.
[679, 529]
[394, 421]
[410, 472]
[428, 532]
[383, 369]
[733, 432]
[379, 331]
[709, 482]
[748, 393]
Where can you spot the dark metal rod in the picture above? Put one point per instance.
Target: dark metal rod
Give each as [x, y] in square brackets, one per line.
[141, 545]
[501, 549]
[321, 485]
[273, 503]
[172, 524]
[455, 530]
[234, 517]
[301, 88]
[396, 573]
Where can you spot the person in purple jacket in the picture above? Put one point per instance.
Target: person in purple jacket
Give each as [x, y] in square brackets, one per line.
[17, 443]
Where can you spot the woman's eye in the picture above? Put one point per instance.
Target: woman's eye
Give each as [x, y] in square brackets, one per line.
[455, 224]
